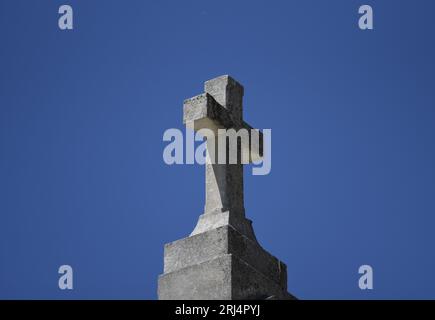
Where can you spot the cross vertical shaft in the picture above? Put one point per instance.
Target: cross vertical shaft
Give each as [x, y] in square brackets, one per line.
[224, 182]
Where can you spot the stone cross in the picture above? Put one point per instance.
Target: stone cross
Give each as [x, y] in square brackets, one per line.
[222, 259]
[220, 107]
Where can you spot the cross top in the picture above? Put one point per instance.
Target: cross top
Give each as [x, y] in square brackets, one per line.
[229, 94]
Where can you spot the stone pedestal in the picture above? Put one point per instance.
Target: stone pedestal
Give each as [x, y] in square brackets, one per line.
[222, 262]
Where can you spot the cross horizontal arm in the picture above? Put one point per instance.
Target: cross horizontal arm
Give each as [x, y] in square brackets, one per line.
[204, 112]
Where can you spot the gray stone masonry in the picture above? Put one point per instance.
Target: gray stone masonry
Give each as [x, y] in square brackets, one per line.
[221, 259]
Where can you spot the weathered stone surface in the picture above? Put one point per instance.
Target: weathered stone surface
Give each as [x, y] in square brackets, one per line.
[223, 240]
[221, 259]
[221, 264]
[203, 111]
[218, 218]
[229, 94]
[210, 280]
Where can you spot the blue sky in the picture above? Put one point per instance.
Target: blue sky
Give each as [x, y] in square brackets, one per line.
[82, 115]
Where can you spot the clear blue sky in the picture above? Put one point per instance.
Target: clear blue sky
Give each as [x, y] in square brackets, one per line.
[82, 114]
